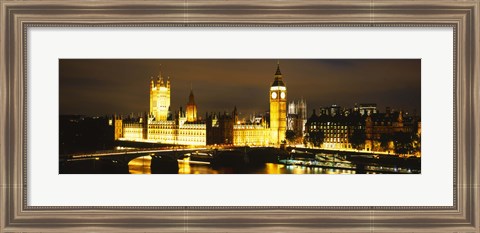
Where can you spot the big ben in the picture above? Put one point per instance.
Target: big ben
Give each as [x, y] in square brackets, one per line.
[278, 109]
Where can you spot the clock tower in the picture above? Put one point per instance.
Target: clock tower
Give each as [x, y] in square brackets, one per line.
[278, 109]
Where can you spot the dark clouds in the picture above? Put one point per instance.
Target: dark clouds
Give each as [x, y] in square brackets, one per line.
[107, 86]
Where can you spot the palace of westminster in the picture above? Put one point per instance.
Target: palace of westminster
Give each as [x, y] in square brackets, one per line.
[186, 128]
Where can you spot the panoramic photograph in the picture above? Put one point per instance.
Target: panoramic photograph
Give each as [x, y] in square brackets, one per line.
[240, 116]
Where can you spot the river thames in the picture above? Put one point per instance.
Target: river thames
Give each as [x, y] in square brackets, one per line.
[141, 165]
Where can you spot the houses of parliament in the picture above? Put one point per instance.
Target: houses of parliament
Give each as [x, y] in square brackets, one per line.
[337, 125]
[184, 127]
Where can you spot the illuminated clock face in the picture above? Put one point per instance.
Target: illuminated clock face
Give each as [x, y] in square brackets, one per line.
[274, 95]
[282, 95]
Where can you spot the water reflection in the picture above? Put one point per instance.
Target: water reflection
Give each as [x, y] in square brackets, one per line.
[141, 165]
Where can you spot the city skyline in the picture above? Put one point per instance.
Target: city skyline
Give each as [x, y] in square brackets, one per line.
[108, 86]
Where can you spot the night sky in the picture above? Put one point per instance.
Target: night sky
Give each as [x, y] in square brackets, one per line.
[98, 87]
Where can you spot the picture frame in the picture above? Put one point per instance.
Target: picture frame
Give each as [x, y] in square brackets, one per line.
[17, 216]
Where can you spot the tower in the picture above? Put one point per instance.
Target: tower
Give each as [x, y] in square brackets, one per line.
[118, 127]
[191, 108]
[302, 115]
[278, 108]
[160, 98]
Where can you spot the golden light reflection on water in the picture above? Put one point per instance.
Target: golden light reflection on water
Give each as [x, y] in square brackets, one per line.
[271, 168]
[296, 169]
[186, 166]
[141, 165]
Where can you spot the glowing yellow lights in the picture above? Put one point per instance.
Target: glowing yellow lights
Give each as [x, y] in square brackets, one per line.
[160, 99]
[184, 166]
[140, 165]
[185, 129]
[276, 88]
[274, 95]
[278, 116]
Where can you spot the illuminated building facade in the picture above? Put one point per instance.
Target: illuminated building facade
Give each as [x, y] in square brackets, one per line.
[190, 132]
[177, 132]
[387, 123]
[251, 135]
[133, 131]
[227, 129]
[254, 132]
[185, 128]
[338, 126]
[297, 118]
[383, 123]
[133, 128]
[262, 132]
[118, 127]
[160, 126]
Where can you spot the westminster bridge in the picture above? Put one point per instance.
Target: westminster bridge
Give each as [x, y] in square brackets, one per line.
[237, 160]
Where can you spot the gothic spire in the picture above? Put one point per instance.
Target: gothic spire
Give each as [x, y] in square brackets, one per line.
[191, 99]
[278, 68]
[278, 77]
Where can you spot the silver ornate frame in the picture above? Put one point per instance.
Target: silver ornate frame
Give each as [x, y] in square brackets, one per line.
[17, 16]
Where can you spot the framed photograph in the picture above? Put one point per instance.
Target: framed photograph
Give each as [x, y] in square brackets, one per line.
[265, 116]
